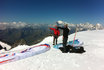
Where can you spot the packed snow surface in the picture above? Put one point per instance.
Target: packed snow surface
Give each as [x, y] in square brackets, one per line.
[54, 59]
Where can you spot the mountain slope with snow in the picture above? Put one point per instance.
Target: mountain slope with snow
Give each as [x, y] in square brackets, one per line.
[92, 59]
[4, 45]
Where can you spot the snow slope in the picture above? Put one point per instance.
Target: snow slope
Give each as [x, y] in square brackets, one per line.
[92, 59]
[8, 47]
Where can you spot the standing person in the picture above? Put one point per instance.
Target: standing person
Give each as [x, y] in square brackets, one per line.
[65, 35]
[56, 34]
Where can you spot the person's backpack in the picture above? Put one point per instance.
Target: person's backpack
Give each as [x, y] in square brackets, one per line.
[78, 49]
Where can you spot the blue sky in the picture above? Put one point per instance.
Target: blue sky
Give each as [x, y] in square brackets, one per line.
[50, 11]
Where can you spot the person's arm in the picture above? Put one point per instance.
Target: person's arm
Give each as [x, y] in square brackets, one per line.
[60, 27]
[52, 28]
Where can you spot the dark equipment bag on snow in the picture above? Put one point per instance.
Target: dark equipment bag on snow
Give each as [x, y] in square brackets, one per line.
[71, 49]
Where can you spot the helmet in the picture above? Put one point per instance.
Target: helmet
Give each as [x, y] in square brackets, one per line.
[59, 22]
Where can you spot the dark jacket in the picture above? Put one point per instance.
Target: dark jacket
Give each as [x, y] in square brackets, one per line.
[65, 31]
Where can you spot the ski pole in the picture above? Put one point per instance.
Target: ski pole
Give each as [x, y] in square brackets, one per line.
[74, 36]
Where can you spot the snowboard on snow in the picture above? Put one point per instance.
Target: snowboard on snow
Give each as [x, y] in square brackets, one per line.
[77, 43]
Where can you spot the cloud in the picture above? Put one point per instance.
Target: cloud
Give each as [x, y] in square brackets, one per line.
[5, 25]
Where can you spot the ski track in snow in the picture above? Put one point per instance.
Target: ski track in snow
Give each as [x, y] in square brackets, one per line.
[92, 59]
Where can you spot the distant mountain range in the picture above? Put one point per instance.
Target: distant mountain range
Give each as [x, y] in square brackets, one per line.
[15, 34]
[22, 33]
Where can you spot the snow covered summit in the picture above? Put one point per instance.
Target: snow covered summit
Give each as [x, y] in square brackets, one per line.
[55, 60]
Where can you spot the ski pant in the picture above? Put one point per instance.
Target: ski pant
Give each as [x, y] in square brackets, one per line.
[55, 39]
[65, 42]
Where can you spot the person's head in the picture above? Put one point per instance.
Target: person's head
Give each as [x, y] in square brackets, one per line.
[66, 25]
